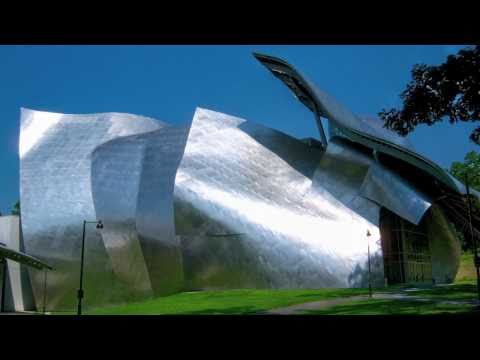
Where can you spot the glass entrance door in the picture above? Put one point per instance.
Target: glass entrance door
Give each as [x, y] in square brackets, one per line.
[405, 250]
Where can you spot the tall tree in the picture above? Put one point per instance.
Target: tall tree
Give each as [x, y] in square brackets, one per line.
[450, 91]
[470, 166]
[16, 209]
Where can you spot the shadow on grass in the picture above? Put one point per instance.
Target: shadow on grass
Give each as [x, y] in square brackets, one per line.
[466, 291]
[236, 310]
[324, 297]
[395, 307]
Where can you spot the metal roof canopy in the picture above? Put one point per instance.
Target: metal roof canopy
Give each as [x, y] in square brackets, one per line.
[350, 125]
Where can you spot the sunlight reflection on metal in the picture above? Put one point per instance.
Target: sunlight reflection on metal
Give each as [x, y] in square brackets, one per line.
[56, 196]
[241, 186]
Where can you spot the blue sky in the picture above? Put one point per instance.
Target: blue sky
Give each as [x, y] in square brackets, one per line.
[168, 82]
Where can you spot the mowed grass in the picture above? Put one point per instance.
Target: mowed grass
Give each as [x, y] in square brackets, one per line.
[228, 302]
[254, 301]
[460, 291]
[395, 307]
[437, 300]
[467, 270]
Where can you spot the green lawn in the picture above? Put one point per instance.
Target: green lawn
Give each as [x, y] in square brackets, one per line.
[432, 303]
[241, 302]
[466, 270]
[252, 301]
[460, 291]
[394, 307]
[464, 289]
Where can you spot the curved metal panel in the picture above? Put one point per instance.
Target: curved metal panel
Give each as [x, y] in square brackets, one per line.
[345, 123]
[139, 228]
[116, 169]
[444, 246]
[343, 117]
[237, 202]
[391, 191]
[55, 190]
[341, 171]
[375, 127]
[155, 212]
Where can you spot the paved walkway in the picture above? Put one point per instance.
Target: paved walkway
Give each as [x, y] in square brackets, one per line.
[22, 313]
[324, 304]
[314, 305]
[16, 313]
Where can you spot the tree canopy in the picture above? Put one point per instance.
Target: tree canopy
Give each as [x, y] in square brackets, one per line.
[471, 165]
[16, 209]
[450, 91]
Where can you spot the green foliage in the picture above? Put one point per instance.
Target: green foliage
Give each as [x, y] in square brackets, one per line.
[450, 90]
[470, 166]
[243, 301]
[16, 209]
[466, 271]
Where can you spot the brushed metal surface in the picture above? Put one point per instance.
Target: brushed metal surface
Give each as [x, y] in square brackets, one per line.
[391, 191]
[55, 192]
[139, 230]
[117, 167]
[341, 171]
[248, 218]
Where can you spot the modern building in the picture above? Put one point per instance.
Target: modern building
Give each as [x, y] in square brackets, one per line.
[228, 203]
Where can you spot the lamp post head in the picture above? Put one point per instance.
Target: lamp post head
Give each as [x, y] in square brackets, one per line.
[368, 233]
[99, 224]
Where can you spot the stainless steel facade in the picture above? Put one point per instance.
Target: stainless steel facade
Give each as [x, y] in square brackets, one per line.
[221, 203]
[56, 196]
[139, 229]
[248, 215]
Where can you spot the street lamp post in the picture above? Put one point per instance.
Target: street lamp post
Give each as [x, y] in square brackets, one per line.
[4, 283]
[369, 268]
[473, 238]
[44, 291]
[80, 290]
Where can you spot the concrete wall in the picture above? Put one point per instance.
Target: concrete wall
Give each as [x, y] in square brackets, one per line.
[18, 294]
[444, 247]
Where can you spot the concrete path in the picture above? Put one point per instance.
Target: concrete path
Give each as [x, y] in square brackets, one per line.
[14, 313]
[314, 305]
[324, 304]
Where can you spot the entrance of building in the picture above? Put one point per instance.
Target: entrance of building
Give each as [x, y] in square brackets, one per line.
[406, 252]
